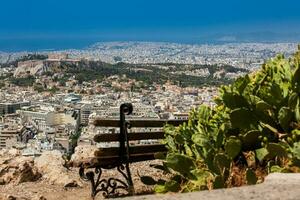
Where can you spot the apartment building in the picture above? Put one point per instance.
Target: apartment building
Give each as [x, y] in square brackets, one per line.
[10, 132]
[12, 107]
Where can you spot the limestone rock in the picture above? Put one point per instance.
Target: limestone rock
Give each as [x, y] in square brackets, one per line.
[30, 67]
[82, 154]
[51, 165]
[17, 170]
[14, 152]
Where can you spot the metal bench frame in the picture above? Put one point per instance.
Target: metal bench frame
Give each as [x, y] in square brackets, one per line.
[110, 186]
[120, 157]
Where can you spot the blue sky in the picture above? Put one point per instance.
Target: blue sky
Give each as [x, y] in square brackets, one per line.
[144, 19]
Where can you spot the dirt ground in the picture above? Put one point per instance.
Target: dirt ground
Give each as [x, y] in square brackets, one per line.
[43, 190]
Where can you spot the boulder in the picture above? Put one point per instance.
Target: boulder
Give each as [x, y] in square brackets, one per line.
[14, 152]
[16, 170]
[82, 154]
[52, 166]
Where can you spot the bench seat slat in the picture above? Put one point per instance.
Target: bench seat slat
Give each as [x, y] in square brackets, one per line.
[112, 137]
[138, 149]
[107, 161]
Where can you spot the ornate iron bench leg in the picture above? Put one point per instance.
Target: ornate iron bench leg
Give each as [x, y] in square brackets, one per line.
[129, 180]
[109, 187]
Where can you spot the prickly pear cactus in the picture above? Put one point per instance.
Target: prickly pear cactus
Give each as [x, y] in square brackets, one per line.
[259, 115]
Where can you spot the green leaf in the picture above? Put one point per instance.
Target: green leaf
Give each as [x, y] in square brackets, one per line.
[285, 89]
[233, 147]
[297, 112]
[179, 139]
[241, 83]
[295, 162]
[265, 113]
[170, 143]
[160, 189]
[200, 139]
[254, 99]
[296, 150]
[242, 118]
[263, 106]
[293, 101]
[204, 112]
[221, 163]
[201, 177]
[285, 116]
[209, 160]
[220, 139]
[218, 182]
[276, 149]
[261, 154]
[296, 79]
[188, 150]
[250, 140]
[172, 186]
[269, 127]
[233, 101]
[276, 169]
[251, 177]
[276, 93]
[180, 163]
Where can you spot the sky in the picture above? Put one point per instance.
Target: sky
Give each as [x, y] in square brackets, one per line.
[29, 22]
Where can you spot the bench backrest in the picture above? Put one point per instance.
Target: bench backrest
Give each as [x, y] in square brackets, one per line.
[108, 137]
[126, 151]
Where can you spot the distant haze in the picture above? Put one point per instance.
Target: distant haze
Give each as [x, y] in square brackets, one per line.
[42, 44]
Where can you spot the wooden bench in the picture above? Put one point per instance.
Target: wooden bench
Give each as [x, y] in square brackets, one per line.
[125, 153]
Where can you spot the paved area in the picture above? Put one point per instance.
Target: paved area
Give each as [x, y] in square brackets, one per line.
[276, 187]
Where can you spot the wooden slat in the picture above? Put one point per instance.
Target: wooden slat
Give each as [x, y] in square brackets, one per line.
[111, 161]
[138, 149]
[138, 123]
[133, 158]
[112, 137]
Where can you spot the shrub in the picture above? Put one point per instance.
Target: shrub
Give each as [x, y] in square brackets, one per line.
[253, 130]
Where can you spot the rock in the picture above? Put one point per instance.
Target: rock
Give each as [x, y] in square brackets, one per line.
[33, 67]
[10, 197]
[3, 152]
[51, 165]
[39, 198]
[83, 152]
[14, 152]
[16, 170]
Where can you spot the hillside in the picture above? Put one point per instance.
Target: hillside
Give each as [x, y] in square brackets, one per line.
[83, 70]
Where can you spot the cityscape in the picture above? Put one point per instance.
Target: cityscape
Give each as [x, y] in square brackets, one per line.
[47, 114]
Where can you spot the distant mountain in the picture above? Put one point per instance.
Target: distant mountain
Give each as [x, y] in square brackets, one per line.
[266, 36]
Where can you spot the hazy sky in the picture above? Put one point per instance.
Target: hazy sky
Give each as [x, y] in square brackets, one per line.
[138, 19]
